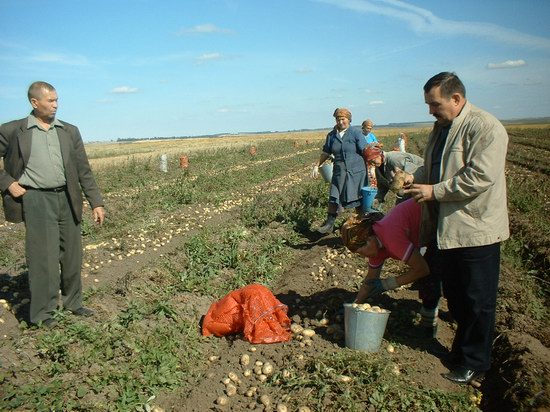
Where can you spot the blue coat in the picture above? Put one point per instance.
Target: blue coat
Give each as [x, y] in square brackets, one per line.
[349, 172]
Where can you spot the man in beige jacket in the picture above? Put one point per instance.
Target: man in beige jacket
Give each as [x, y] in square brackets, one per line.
[465, 217]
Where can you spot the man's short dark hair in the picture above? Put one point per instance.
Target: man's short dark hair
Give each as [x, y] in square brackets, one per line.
[448, 82]
[36, 88]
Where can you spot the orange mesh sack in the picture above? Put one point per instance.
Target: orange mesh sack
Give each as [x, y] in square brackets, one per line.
[252, 310]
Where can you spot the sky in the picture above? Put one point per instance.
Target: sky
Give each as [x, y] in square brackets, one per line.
[127, 69]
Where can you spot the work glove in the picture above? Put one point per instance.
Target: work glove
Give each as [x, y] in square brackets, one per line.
[379, 286]
[315, 172]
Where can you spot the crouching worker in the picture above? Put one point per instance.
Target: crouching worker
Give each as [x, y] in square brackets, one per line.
[396, 236]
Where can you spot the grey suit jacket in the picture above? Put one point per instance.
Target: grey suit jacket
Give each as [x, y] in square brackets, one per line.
[15, 149]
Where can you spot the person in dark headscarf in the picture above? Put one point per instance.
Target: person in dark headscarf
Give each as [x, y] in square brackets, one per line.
[387, 169]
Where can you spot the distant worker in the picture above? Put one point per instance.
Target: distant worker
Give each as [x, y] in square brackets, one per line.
[346, 145]
[366, 127]
[401, 143]
[370, 138]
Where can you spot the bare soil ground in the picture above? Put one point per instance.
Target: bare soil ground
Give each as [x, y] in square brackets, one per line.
[521, 350]
[519, 378]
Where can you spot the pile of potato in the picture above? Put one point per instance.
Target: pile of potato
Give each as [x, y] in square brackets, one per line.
[368, 308]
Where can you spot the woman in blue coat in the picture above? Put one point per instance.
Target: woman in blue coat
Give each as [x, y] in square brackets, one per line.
[345, 144]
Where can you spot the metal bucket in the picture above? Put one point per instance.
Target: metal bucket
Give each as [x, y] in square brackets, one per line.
[364, 330]
[326, 171]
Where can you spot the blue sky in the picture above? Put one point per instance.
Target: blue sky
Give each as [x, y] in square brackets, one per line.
[148, 68]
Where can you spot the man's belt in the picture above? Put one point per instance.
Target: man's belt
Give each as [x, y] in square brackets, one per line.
[50, 189]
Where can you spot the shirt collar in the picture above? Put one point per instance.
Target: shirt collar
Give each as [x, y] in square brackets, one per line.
[32, 121]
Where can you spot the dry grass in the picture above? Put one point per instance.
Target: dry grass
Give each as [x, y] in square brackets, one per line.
[107, 154]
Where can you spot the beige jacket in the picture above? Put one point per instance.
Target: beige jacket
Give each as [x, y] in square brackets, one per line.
[472, 190]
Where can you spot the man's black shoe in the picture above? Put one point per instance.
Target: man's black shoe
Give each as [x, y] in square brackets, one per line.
[462, 375]
[85, 312]
[49, 323]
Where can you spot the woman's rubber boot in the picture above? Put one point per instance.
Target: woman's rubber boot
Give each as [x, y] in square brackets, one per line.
[328, 227]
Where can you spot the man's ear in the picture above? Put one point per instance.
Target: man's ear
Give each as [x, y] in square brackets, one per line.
[456, 98]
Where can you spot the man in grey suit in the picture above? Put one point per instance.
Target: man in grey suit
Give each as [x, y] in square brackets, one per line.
[46, 169]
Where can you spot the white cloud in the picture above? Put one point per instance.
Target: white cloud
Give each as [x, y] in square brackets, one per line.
[202, 29]
[508, 64]
[206, 57]
[70, 60]
[303, 70]
[124, 90]
[424, 21]
[375, 102]
[231, 110]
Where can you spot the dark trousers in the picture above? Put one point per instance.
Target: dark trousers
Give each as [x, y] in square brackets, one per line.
[470, 283]
[53, 246]
[429, 287]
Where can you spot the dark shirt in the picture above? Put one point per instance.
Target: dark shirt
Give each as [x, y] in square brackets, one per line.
[437, 154]
[435, 173]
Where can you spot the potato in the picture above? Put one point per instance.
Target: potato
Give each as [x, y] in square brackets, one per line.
[308, 333]
[233, 376]
[265, 400]
[295, 328]
[245, 360]
[222, 400]
[364, 306]
[343, 378]
[231, 390]
[267, 369]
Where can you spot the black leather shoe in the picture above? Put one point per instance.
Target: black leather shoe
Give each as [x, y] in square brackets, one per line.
[462, 375]
[85, 312]
[49, 323]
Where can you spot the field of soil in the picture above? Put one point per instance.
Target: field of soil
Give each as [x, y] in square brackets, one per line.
[318, 276]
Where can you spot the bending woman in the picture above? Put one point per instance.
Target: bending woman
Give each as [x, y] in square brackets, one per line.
[396, 236]
[388, 166]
